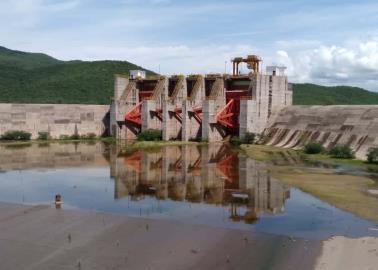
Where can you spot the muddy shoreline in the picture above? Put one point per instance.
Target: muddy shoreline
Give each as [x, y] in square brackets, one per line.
[41, 237]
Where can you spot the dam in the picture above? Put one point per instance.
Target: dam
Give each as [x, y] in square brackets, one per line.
[208, 107]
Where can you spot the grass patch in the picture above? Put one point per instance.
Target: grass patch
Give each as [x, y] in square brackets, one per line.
[248, 138]
[150, 135]
[346, 192]
[267, 153]
[156, 144]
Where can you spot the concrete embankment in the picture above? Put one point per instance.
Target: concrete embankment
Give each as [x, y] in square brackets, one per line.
[295, 126]
[57, 119]
[41, 237]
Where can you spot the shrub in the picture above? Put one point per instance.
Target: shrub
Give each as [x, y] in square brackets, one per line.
[150, 135]
[249, 138]
[88, 136]
[74, 137]
[313, 148]
[16, 135]
[64, 137]
[236, 140]
[372, 155]
[43, 136]
[341, 151]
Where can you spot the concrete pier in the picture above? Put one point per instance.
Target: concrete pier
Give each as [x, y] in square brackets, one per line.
[150, 119]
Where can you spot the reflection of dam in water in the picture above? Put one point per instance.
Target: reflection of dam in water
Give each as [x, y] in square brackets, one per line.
[213, 174]
[51, 155]
[213, 185]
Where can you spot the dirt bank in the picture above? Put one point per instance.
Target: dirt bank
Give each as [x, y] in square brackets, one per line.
[347, 192]
[349, 254]
[41, 237]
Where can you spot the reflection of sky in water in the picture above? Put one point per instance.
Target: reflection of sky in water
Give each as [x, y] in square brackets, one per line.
[92, 188]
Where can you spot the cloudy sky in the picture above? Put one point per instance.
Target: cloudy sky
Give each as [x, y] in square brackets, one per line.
[329, 42]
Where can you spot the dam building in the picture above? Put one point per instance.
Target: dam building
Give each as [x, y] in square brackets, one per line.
[209, 107]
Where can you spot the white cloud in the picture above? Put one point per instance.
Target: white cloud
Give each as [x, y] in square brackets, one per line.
[188, 37]
[356, 64]
[179, 59]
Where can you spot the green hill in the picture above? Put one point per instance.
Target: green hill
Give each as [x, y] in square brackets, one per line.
[39, 78]
[312, 94]
[25, 60]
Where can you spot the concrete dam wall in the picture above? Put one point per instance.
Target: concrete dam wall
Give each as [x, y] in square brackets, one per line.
[295, 126]
[58, 119]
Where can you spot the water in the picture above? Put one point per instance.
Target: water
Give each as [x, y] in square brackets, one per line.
[213, 185]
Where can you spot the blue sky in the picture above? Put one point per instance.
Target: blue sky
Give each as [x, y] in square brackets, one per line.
[327, 42]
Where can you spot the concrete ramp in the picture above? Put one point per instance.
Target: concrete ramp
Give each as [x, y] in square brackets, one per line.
[295, 126]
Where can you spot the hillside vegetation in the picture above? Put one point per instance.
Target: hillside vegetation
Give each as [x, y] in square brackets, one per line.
[312, 94]
[25, 60]
[39, 78]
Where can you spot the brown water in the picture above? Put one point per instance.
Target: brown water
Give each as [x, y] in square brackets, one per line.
[215, 185]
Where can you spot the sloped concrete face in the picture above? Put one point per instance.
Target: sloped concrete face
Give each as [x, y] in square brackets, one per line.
[57, 119]
[172, 127]
[211, 130]
[149, 119]
[295, 126]
[191, 126]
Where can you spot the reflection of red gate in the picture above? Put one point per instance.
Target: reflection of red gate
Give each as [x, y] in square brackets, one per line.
[177, 166]
[227, 163]
[196, 167]
[227, 166]
[133, 161]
